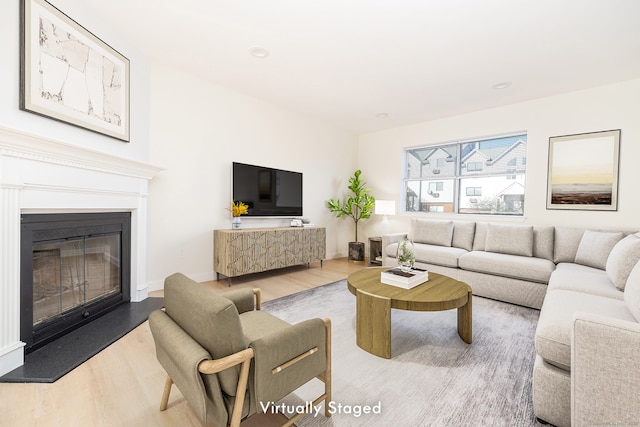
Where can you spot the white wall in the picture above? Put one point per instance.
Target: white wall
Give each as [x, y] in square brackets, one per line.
[12, 117]
[197, 130]
[615, 106]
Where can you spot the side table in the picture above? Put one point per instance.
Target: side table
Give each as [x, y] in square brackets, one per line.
[375, 250]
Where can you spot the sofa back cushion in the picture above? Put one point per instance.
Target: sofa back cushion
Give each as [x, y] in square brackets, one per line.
[632, 292]
[565, 244]
[595, 246]
[463, 233]
[543, 237]
[622, 258]
[509, 239]
[480, 238]
[432, 232]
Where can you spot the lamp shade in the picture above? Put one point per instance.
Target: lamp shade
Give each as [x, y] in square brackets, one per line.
[385, 207]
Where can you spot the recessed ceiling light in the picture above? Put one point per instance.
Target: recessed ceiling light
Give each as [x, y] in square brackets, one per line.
[259, 52]
[502, 85]
[382, 115]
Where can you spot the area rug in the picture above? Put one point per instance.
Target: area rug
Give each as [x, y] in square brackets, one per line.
[433, 377]
[52, 361]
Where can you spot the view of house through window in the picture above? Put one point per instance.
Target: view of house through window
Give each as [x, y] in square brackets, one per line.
[484, 176]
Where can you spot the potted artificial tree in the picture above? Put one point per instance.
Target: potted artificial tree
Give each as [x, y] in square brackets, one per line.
[359, 205]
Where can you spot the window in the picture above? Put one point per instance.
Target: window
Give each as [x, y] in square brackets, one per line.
[483, 176]
[474, 191]
[474, 166]
[436, 186]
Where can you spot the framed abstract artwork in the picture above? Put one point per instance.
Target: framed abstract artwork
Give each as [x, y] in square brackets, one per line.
[583, 171]
[69, 74]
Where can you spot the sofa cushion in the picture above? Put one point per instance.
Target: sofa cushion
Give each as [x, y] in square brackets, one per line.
[509, 239]
[553, 333]
[463, 234]
[543, 242]
[480, 237]
[440, 255]
[595, 246]
[622, 258]
[580, 278]
[565, 244]
[432, 232]
[632, 292]
[518, 267]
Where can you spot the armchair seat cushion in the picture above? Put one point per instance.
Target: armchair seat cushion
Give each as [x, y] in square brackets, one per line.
[257, 324]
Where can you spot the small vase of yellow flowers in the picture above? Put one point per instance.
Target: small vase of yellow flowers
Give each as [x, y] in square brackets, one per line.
[237, 209]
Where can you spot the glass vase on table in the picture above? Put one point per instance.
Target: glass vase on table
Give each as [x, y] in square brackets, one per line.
[405, 255]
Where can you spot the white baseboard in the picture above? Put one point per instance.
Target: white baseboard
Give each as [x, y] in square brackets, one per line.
[11, 357]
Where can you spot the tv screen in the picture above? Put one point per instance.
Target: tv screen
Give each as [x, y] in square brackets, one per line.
[267, 191]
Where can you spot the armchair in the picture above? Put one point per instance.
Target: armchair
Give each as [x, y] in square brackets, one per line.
[227, 357]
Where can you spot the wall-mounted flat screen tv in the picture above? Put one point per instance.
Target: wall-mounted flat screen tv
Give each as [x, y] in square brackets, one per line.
[267, 191]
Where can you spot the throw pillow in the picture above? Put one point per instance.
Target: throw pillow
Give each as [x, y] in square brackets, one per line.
[510, 239]
[438, 233]
[595, 246]
[632, 292]
[623, 257]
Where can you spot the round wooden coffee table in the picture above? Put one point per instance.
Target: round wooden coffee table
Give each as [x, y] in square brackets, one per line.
[374, 301]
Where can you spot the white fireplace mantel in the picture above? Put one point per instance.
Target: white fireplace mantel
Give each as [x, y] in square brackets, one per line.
[43, 175]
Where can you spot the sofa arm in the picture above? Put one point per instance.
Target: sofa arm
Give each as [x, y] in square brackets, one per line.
[605, 373]
[389, 239]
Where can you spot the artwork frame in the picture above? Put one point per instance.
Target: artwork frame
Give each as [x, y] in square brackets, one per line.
[583, 171]
[69, 74]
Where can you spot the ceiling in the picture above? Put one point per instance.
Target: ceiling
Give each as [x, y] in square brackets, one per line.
[345, 62]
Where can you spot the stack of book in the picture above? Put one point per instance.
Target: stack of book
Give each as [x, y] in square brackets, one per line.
[406, 280]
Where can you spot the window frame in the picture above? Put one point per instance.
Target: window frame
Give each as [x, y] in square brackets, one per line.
[514, 172]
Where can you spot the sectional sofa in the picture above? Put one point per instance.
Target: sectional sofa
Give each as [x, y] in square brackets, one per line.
[586, 284]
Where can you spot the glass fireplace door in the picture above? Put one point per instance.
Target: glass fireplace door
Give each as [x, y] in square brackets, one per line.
[71, 273]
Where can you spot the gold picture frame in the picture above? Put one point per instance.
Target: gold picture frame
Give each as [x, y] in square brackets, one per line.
[583, 171]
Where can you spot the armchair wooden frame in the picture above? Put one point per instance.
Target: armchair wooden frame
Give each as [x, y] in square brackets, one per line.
[244, 358]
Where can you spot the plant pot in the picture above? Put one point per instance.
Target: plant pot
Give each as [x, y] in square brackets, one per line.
[356, 251]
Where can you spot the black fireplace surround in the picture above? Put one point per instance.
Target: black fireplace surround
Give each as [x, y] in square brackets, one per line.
[90, 259]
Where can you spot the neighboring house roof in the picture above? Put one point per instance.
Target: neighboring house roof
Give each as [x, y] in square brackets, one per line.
[513, 188]
[426, 153]
[494, 154]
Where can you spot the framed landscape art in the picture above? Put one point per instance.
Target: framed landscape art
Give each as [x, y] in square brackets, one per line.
[69, 74]
[583, 171]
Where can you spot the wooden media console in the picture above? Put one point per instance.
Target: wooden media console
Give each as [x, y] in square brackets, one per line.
[252, 250]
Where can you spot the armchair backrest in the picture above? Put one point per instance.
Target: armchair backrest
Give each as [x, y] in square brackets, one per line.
[210, 319]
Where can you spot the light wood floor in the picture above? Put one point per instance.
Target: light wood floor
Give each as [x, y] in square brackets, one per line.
[122, 385]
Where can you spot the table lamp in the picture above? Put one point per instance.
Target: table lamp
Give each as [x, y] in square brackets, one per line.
[385, 208]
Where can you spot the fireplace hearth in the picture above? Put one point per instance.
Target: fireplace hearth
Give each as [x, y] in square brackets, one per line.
[74, 268]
